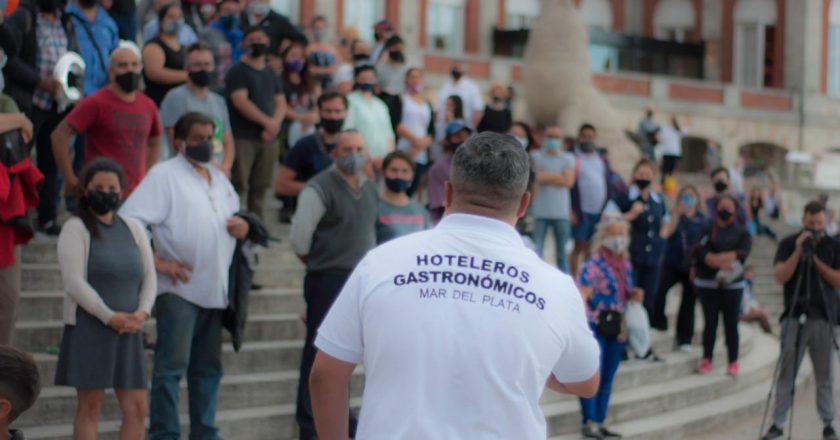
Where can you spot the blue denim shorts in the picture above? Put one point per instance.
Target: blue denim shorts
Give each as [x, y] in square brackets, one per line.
[585, 227]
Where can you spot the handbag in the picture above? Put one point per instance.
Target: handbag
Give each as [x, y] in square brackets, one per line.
[609, 323]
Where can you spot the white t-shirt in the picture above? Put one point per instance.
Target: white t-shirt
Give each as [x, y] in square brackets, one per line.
[459, 328]
[416, 117]
[188, 217]
[592, 183]
[469, 93]
[670, 141]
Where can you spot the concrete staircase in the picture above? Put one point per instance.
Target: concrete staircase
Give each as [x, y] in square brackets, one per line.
[258, 391]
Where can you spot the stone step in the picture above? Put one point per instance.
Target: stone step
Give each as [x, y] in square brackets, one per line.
[57, 405]
[37, 336]
[662, 398]
[47, 305]
[703, 416]
[47, 277]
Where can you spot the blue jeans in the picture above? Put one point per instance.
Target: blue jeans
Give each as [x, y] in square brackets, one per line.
[595, 409]
[562, 231]
[585, 227]
[189, 340]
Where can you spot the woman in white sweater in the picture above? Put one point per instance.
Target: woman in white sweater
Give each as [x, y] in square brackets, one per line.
[108, 273]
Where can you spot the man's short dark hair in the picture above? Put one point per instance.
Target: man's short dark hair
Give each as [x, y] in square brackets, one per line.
[251, 30]
[329, 96]
[490, 170]
[185, 124]
[717, 171]
[20, 382]
[586, 126]
[198, 47]
[393, 41]
[814, 207]
[397, 155]
[362, 69]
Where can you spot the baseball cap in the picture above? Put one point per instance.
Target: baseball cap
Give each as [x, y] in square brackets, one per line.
[456, 126]
[383, 25]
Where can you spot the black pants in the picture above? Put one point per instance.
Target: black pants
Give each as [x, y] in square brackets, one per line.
[669, 165]
[714, 302]
[44, 123]
[320, 289]
[685, 318]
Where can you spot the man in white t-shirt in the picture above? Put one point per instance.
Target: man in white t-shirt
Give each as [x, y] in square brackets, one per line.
[460, 328]
[466, 89]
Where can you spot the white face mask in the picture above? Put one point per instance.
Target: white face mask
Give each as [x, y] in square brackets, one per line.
[522, 140]
[616, 244]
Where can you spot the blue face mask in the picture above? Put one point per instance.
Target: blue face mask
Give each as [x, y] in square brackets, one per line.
[552, 143]
[688, 200]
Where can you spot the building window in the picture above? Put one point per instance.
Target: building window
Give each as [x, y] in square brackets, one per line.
[834, 48]
[597, 14]
[363, 14]
[520, 14]
[673, 20]
[445, 25]
[755, 57]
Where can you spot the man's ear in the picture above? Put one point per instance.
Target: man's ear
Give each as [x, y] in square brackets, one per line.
[524, 201]
[447, 194]
[5, 410]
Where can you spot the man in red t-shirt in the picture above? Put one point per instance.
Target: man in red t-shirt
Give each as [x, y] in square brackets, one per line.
[119, 122]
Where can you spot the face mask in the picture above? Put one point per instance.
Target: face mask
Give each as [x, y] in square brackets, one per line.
[87, 3]
[615, 244]
[587, 147]
[128, 81]
[256, 50]
[201, 153]
[397, 185]
[497, 99]
[294, 65]
[414, 88]
[172, 27]
[456, 74]
[689, 200]
[364, 87]
[396, 56]
[201, 78]
[361, 58]
[720, 186]
[101, 202]
[522, 141]
[259, 9]
[48, 5]
[642, 183]
[318, 35]
[229, 21]
[724, 215]
[351, 164]
[332, 126]
[552, 143]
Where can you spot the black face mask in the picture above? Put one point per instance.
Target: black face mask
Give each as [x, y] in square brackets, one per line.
[456, 74]
[201, 153]
[49, 5]
[360, 57]
[128, 81]
[724, 215]
[256, 50]
[642, 183]
[396, 56]
[332, 126]
[87, 3]
[201, 78]
[587, 147]
[101, 202]
[364, 87]
[397, 185]
[720, 186]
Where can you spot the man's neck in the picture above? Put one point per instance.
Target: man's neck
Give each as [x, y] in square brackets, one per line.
[256, 63]
[121, 94]
[196, 90]
[90, 12]
[352, 179]
[327, 138]
[49, 16]
[201, 170]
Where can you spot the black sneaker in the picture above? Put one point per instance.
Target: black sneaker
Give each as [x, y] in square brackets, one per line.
[773, 433]
[589, 431]
[828, 433]
[606, 433]
[50, 228]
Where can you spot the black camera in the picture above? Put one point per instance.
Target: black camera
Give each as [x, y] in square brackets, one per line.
[810, 244]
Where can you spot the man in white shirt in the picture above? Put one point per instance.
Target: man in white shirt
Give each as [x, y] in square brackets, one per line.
[189, 205]
[467, 90]
[460, 328]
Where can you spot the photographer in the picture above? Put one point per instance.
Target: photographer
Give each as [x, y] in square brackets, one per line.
[808, 264]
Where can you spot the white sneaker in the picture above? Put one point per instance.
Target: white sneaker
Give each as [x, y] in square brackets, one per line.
[686, 348]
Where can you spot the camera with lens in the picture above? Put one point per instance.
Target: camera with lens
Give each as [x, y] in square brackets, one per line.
[810, 244]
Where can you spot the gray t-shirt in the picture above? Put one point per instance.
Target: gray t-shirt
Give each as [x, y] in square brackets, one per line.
[552, 201]
[181, 100]
[391, 78]
[592, 183]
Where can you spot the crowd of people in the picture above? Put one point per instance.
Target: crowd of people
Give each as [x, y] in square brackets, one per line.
[183, 136]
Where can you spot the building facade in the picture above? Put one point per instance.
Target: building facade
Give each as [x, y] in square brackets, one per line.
[759, 78]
